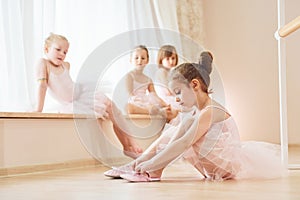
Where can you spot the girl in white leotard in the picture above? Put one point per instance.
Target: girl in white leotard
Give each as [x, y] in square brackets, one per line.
[206, 136]
[53, 74]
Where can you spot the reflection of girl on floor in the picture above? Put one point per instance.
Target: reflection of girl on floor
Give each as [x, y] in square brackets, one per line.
[206, 136]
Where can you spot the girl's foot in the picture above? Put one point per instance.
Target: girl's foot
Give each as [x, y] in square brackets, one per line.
[132, 151]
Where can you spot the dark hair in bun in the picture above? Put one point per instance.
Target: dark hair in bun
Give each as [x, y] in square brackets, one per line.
[188, 71]
[205, 66]
[205, 61]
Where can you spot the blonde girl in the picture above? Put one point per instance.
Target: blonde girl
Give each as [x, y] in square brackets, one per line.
[53, 75]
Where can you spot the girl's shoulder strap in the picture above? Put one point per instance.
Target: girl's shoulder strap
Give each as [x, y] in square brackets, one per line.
[66, 65]
[217, 107]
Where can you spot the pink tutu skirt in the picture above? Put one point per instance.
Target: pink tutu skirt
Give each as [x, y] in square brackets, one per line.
[86, 101]
[260, 160]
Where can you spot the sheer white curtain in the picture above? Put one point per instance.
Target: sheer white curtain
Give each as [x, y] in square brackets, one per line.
[24, 24]
[22, 27]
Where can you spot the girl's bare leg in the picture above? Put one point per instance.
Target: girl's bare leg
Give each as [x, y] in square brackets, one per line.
[130, 147]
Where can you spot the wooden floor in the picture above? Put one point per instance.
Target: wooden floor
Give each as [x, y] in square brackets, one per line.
[180, 181]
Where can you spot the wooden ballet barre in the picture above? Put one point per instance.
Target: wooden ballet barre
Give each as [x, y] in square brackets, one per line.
[38, 115]
[290, 27]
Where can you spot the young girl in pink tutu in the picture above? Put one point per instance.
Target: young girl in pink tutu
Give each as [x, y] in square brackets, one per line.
[142, 95]
[205, 135]
[167, 59]
[53, 74]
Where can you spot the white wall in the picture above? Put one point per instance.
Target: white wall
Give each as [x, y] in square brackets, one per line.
[240, 33]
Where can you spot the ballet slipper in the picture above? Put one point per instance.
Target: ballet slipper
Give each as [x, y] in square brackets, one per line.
[116, 172]
[113, 173]
[138, 177]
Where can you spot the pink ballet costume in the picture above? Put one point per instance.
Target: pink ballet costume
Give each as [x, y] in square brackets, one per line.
[219, 154]
[84, 101]
[162, 90]
[140, 95]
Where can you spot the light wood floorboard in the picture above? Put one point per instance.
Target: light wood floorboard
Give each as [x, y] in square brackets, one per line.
[180, 181]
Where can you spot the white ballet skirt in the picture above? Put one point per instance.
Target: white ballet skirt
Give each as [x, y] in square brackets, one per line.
[219, 154]
[77, 99]
[140, 95]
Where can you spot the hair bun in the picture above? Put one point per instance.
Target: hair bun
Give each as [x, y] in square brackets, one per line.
[204, 66]
[205, 61]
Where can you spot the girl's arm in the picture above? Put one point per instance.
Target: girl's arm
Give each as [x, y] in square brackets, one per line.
[181, 142]
[151, 151]
[42, 78]
[42, 89]
[129, 84]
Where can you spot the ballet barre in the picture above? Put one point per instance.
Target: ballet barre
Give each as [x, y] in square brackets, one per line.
[289, 28]
[283, 31]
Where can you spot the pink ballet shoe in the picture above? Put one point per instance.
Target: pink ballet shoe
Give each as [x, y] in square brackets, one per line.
[137, 177]
[116, 172]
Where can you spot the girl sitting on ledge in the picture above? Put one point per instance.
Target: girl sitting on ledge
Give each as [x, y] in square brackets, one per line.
[53, 74]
